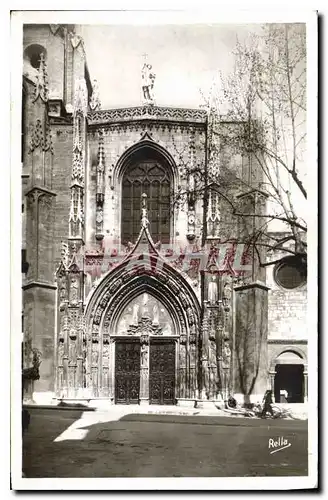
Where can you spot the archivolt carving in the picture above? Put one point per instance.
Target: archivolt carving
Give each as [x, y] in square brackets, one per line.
[170, 290]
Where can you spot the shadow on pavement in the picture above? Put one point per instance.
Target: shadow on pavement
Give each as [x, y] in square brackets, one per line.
[143, 445]
[44, 426]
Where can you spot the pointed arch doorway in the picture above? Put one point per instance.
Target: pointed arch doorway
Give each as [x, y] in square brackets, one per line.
[145, 353]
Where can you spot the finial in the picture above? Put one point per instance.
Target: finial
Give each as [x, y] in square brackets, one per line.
[64, 253]
[95, 98]
[144, 215]
[41, 88]
[81, 97]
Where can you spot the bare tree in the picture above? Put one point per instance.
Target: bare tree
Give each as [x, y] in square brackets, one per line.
[264, 99]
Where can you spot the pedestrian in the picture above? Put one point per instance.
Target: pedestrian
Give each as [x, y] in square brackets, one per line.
[231, 403]
[283, 396]
[267, 404]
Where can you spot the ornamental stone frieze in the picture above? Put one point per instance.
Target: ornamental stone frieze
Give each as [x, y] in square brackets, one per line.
[147, 112]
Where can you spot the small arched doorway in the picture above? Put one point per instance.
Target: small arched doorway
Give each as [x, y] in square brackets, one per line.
[289, 378]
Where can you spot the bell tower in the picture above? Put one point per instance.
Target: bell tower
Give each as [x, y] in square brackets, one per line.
[54, 64]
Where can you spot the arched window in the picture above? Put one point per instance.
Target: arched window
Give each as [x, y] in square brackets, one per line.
[150, 174]
[33, 54]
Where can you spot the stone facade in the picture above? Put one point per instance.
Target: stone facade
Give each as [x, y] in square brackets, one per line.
[287, 324]
[189, 332]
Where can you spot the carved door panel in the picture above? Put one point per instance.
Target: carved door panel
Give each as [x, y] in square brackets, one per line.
[127, 372]
[162, 373]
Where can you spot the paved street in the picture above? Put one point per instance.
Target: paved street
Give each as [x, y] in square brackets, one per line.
[73, 443]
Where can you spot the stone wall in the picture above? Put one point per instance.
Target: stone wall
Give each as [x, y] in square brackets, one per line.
[287, 311]
[62, 136]
[54, 45]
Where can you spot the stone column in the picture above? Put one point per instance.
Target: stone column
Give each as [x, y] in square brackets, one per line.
[105, 370]
[144, 370]
[111, 381]
[251, 334]
[272, 376]
[65, 371]
[182, 367]
[79, 377]
[39, 290]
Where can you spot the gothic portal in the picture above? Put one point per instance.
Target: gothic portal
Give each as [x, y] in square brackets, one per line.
[132, 285]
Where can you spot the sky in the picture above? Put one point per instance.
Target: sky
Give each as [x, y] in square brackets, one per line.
[185, 59]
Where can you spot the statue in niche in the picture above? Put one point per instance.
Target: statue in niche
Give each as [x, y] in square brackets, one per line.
[74, 288]
[212, 291]
[106, 355]
[227, 291]
[64, 253]
[212, 353]
[63, 291]
[155, 315]
[135, 317]
[94, 356]
[226, 354]
[72, 352]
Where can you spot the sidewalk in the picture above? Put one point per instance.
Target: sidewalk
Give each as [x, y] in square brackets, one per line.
[119, 411]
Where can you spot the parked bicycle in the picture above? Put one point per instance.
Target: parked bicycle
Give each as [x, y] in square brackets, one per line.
[277, 411]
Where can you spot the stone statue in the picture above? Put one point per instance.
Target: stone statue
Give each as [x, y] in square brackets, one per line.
[64, 253]
[94, 356]
[212, 291]
[63, 291]
[72, 352]
[144, 355]
[226, 354]
[95, 97]
[167, 330]
[135, 318]
[144, 214]
[74, 287]
[212, 353]
[227, 291]
[123, 326]
[148, 80]
[144, 305]
[155, 315]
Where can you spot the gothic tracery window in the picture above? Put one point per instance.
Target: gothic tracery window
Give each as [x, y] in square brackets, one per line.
[152, 177]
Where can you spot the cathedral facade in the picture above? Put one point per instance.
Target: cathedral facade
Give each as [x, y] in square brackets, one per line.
[132, 292]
